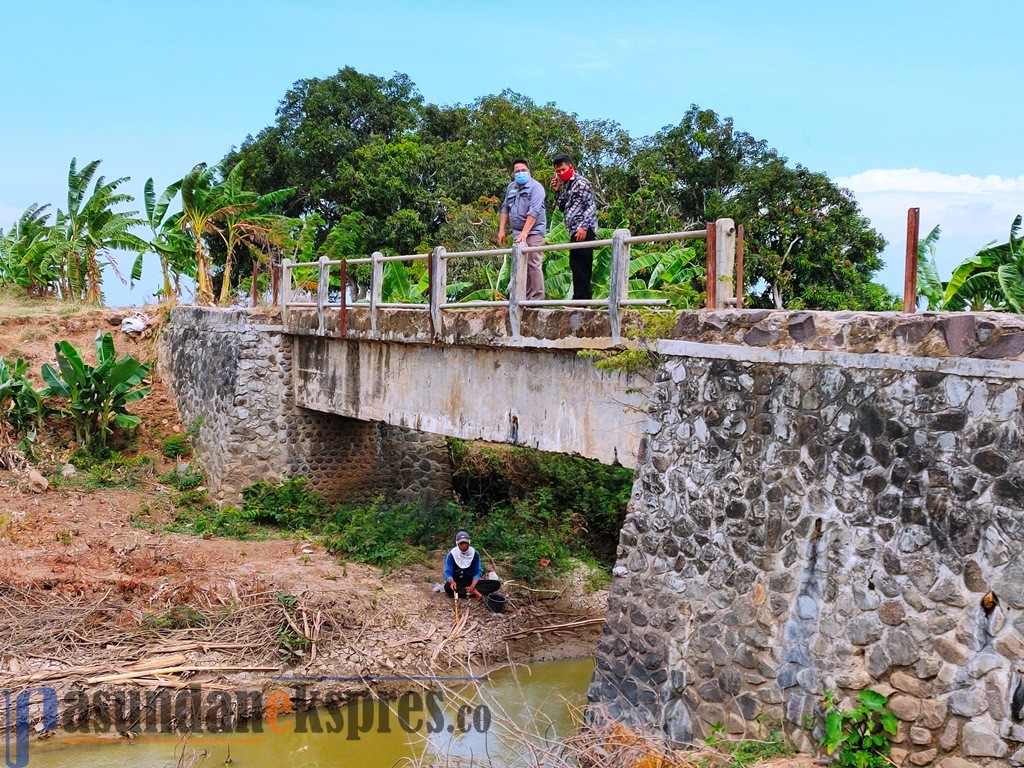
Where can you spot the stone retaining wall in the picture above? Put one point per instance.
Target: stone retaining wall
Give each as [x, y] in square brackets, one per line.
[806, 521]
[232, 371]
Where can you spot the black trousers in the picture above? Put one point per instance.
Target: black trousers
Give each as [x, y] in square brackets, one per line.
[484, 587]
[581, 262]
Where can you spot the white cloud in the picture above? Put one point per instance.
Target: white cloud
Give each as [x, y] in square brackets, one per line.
[916, 180]
[971, 210]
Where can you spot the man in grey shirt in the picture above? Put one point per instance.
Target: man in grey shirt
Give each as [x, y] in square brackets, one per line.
[523, 206]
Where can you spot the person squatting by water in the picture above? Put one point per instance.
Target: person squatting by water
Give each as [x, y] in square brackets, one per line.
[523, 207]
[575, 198]
[464, 572]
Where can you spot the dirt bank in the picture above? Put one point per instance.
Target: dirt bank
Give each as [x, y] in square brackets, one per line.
[90, 584]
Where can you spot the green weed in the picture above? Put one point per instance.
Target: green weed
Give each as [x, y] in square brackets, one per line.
[185, 478]
[178, 617]
[746, 752]
[176, 445]
[66, 537]
[117, 472]
[862, 737]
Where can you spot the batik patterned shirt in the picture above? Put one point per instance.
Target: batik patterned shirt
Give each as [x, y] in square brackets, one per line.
[576, 200]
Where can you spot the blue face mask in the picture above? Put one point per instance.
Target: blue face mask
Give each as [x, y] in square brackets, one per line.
[522, 177]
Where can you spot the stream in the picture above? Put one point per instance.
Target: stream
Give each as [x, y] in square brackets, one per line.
[470, 722]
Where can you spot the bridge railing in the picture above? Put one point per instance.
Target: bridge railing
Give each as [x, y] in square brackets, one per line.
[721, 237]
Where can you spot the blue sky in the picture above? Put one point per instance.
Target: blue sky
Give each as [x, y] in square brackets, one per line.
[905, 103]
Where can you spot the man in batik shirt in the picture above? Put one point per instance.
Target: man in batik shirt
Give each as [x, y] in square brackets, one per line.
[575, 198]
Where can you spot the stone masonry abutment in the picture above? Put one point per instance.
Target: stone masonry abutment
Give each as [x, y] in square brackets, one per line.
[231, 372]
[806, 518]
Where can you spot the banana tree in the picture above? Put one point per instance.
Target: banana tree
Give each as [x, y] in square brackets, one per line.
[203, 211]
[91, 228]
[21, 407]
[96, 397]
[929, 285]
[31, 253]
[253, 226]
[401, 284]
[993, 278]
[172, 246]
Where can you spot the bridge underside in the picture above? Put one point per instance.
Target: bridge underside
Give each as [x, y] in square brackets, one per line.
[549, 399]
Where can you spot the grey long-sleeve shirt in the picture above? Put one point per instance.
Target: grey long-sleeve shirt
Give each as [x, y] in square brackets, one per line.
[527, 200]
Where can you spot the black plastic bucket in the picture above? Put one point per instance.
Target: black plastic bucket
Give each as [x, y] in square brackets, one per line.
[496, 602]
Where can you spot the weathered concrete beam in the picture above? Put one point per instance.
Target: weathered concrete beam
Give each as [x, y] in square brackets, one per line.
[553, 400]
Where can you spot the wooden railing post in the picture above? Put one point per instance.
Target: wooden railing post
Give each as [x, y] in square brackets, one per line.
[618, 282]
[286, 279]
[711, 281]
[376, 287]
[275, 282]
[725, 251]
[254, 290]
[516, 289]
[438, 266]
[910, 273]
[323, 284]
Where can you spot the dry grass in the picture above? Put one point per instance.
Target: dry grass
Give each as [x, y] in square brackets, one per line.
[18, 305]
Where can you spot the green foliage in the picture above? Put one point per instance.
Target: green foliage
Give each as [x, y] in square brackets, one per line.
[65, 538]
[117, 472]
[174, 446]
[288, 504]
[90, 228]
[993, 278]
[290, 643]
[534, 511]
[747, 752]
[929, 285]
[384, 170]
[185, 478]
[862, 737]
[32, 254]
[172, 246]
[286, 599]
[176, 617]
[389, 535]
[643, 328]
[96, 398]
[539, 510]
[21, 405]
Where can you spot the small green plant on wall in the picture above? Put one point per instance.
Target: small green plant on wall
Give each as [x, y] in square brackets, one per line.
[861, 737]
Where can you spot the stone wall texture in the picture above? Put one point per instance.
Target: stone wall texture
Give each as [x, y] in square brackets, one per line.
[805, 522]
[232, 371]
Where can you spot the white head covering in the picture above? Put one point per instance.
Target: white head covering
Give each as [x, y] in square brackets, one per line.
[463, 559]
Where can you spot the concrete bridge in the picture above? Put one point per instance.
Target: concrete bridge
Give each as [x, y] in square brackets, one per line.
[356, 413]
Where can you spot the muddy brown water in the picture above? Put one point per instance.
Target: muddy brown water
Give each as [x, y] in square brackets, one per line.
[472, 721]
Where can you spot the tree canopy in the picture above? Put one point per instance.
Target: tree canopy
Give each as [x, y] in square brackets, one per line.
[369, 155]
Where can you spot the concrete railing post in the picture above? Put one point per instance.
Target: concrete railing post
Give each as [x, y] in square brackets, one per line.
[618, 282]
[376, 286]
[516, 289]
[323, 286]
[725, 246]
[286, 280]
[438, 289]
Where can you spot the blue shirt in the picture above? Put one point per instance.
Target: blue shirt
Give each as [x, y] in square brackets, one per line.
[475, 570]
[527, 200]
